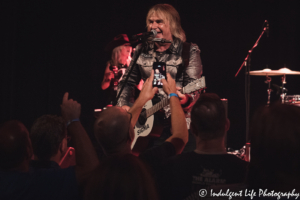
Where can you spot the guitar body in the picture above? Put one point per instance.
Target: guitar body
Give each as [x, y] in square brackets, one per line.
[152, 125]
[141, 128]
[147, 128]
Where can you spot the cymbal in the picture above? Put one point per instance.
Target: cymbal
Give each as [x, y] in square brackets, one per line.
[269, 72]
[265, 72]
[288, 71]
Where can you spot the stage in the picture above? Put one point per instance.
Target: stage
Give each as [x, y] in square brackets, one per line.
[55, 47]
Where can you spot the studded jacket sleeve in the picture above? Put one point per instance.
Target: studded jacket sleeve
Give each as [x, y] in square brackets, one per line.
[192, 72]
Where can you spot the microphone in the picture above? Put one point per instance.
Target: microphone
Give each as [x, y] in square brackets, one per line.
[145, 35]
[162, 40]
[267, 27]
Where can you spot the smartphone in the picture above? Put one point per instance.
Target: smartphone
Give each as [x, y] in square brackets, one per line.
[68, 159]
[159, 73]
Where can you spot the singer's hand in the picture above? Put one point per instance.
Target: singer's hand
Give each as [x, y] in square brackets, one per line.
[108, 75]
[126, 107]
[183, 97]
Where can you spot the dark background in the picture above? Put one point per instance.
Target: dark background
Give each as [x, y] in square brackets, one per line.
[50, 47]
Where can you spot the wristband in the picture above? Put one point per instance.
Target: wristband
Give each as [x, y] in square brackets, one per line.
[172, 94]
[73, 120]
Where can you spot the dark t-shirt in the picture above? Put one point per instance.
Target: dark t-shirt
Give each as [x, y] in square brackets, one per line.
[41, 184]
[156, 156]
[41, 164]
[189, 172]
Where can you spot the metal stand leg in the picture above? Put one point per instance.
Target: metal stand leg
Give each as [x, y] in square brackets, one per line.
[283, 93]
[269, 90]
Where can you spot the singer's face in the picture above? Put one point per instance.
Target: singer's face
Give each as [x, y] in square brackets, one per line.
[162, 27]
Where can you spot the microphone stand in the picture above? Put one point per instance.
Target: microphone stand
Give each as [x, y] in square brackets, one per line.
[247, 64]
[132, 65]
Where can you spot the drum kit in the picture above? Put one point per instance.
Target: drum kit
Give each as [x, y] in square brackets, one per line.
[290, 99]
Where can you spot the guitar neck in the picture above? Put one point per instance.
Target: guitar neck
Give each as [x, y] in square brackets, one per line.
[158, 106]
[191, 87]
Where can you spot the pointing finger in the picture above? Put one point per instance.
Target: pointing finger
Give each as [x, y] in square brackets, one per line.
[151, 76]
[155, 89]
[168, 76]
[65, 97]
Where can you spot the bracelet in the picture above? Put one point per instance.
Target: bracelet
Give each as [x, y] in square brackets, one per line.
[173, 94]
[73, 120]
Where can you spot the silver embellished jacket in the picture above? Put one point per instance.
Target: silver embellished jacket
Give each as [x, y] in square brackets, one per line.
[173, 59]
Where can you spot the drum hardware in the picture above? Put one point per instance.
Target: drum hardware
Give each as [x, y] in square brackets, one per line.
[243, 153]
[292, 99]
[283, 94]
[281, 72]
[269, 72]
[97, 112]
[269, 90]
[247, 151]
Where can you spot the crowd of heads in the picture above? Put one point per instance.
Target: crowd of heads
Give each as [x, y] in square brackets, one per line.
[47, 140]
[274, 147]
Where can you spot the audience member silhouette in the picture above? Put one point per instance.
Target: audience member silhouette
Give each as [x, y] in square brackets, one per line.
[48, 136]
[15, 147]
[16, 179]
[209, 164]
[121, 177]
[275, 149]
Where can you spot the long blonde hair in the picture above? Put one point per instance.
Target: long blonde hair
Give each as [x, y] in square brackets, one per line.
[117, 58]
[116, 55]
[170, 14]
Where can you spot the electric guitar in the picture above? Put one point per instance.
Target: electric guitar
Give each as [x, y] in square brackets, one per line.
[145, 123]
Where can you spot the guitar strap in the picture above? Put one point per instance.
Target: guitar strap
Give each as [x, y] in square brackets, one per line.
[186, 54]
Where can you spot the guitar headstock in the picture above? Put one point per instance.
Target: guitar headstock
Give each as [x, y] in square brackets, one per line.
[195, 85]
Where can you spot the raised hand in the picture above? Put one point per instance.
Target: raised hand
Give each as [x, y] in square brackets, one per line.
[147, 93]
[169, 85]
[70, 109]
